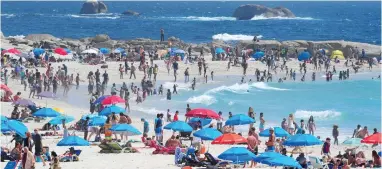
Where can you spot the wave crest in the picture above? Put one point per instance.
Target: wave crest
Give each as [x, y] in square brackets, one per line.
[17, 36]
[264, 86]
[262, 17]
[234, 37]
[96, 16]
[8, 15]
[202, 99]
[305, 114]
[180, 86]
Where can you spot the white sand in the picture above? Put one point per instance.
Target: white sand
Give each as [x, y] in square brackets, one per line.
[90, 158]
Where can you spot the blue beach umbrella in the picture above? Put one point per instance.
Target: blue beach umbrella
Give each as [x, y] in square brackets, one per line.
[97, 121]
[38, 51]
[202, 120]
[58, 120]
[258, 55]
[352, 142]
[88, 115]
[109, 110]
[119, 50]
[219, 50]
[100, 99]
[46, 112]
[304, 56]
[125, 128]
[266, 155]
[278, 131]
[180, 126]
[104, 50]
[284, 161]
[17, 127]
[239, 119]
[73, 141]
[208, 134]
[4, 127]
[302, 140]
[237, 154]
[3, 118]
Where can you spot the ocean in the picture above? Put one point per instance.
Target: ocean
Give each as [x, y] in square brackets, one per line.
[196, 22]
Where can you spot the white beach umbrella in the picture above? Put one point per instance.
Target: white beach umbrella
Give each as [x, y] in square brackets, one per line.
[89, 51]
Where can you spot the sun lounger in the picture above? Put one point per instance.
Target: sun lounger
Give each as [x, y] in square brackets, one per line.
[116, 148]
[215, 163]
[105, 148]
[317, 164]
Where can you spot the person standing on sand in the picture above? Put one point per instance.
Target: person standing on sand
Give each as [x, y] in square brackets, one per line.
[245, 66]
[105, 78]
[187, 110]
[251, 114]
[186, 75]
[356, 131]
[155, 72]
[291, 126]
[271, 140]
[335, 134]
[161, 34]
[252, 146]
[132, 71]
[175, 67]
[219, 125]
[212, 75]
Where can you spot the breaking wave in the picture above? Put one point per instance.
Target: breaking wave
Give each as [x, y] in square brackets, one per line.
[234, 37]
[326, 114]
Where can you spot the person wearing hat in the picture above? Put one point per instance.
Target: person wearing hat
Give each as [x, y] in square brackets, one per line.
[271, 141]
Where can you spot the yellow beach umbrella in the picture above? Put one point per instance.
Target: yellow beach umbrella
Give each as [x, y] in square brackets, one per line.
[58, 109]
[337, 54]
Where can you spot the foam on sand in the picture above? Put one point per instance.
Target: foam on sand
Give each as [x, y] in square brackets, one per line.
[326, 114]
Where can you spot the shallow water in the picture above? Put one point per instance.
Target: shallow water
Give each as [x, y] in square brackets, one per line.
[345, 103]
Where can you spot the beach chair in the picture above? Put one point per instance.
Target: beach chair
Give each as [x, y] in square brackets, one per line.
[116, 148]
[185, 136]
[317, 164]
[105, 148]
[214, 163]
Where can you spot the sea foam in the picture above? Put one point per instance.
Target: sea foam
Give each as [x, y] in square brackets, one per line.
[305, 114]
[234, 37]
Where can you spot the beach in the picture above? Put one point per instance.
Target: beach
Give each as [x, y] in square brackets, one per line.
[298, 81]
[144, 159]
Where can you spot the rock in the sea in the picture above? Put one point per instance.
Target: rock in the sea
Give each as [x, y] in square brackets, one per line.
[101, 38]
[247, 12]
[131, 13]
[40, 37]
[93, 7]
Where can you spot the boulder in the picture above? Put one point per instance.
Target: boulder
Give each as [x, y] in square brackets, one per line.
[268, 44]
[247, 12]
[108, 44]
[40, 37]
[101, 38]
[130, 13]
[93, 7]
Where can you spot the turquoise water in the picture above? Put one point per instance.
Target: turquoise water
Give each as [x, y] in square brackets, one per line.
[345, 103]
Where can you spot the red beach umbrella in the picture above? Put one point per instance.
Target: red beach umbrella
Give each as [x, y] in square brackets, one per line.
[5, 88]
[373, 139]
[203, 113]
[229, 139]
[113, 100]
[13, 50]
[60, 51]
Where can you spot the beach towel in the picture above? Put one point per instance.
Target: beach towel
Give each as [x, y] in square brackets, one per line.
[178, 156]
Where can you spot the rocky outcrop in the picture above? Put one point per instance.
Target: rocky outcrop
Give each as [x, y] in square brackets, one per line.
[101, 38]
[247, 12]
[93, 7]
[40, 37]
[345, 46]
[130, 13]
